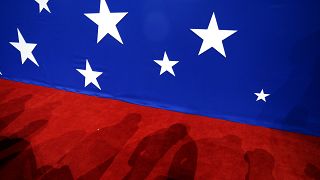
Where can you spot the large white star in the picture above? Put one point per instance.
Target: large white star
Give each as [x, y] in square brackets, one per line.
[90, 76]
[166, 64]
[107, 21]
[213, 36]
[43, 4]
[262, 96]
[25, 49]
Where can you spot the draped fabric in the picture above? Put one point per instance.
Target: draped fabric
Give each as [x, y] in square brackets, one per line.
[273, 46]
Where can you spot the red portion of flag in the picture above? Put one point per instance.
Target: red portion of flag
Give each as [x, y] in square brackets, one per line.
[48, 133]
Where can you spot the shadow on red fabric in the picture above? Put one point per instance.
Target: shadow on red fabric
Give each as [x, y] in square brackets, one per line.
[152, 148]
[261, 164]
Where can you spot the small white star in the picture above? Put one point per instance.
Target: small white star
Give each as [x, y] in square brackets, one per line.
[166, 64]
[213, 36]
[43, 4]
[90, 76]
[0, 73]
[25, 49]
[107, 21]
[262, 96]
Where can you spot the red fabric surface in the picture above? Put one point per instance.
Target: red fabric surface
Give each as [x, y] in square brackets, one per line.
[53, 134]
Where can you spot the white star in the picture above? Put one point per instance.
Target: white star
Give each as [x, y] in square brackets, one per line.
[166, 64]
[262, 96]
[0, 73]
[25, 49]
[107, 21]
[43, 4]
[213, 37]
[90, 76]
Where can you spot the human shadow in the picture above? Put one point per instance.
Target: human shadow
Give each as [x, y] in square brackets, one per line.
[184, 163]
[98, 149]
[6, 120]
[4, 93]
[260, 165]
[14, 106]
[50, 173]
[30, 129]
[221, 158]
[97, 172]
[152, 148]
[54, 149]
[312, 171]
[17, 160]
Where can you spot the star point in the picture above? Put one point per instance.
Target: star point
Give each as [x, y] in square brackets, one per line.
[213, 37]
[43, 4]
[166, 64]
[107, 22]
[25, 49]
[90, 75]
[261, 96]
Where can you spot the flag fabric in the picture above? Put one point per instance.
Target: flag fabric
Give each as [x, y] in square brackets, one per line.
[249, 62]
[47, 133]
[162, 89]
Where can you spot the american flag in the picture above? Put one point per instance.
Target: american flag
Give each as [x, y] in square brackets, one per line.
[245, 61]
[231, 73]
